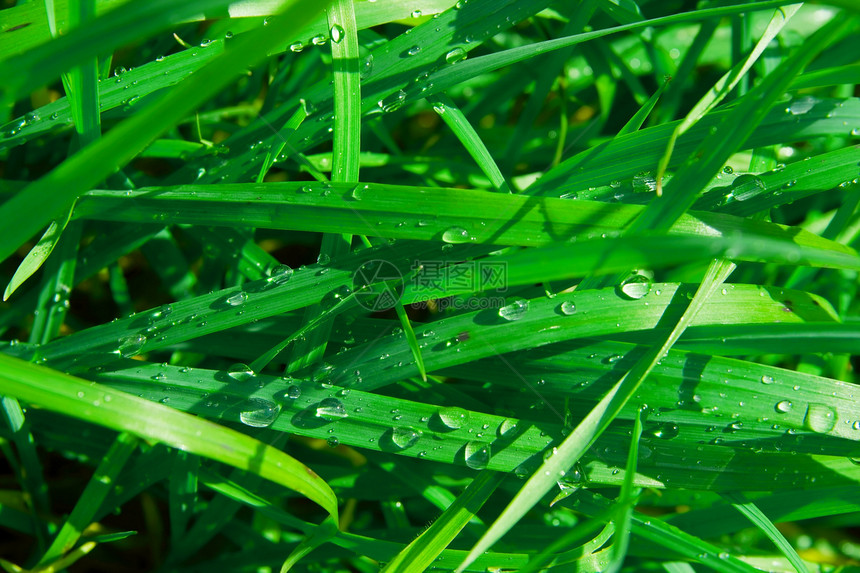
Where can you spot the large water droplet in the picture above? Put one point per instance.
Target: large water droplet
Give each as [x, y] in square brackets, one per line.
[458, 54]
[514, 311]
[568, 308]
[765, 379]
[404, 437]
[258, 413]
[392, 102]
[456, 235]
[416, 13]
[237, 299]
[453, 417]
[413, 51]
[331, 409]
[783, 406]
[280, 274]
[801, 105]
[131, 345]
[664, 431]
[240, 372]
[477, 455]
[508, 428]
[337, 33]
[747, 186]
[635, 286]
[820, 418]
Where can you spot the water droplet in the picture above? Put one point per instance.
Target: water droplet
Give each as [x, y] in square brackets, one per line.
[747, 186]
[297, 47]
[366, 67]
[337, 33]
[416, 13]
[458, 54]
[801, 105]
[728, 169]
[456, 235]
[664, 431]
[453, 417]
[237, 299]
[332, 442]
[404, 437]
[477, 455]
[635, 286]
[293, 392]
[323, 259]
[783, 406]
[413, 51]
[240, 372]
[228, 34]
[331, 409]
[258, 413]
[508, 428]
[131, 345]
[567, 308]
[392, 102]
[280, 274]
[820, 418]
[765, 379]
[514, 311]
[318, 40]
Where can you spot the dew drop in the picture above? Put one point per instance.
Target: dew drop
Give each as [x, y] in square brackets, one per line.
[240, 372]
[567, 308]
[664, 431]
[508, 428]
[514, 311]
[258, 413]
[456, 235]
[331, 409]
[416, 13]
[131, 345]
[297, 47]
[635, 287]
[802, 105]
[820, 418]
[332, 442]
[280, 274]
[765, 379]
[393, 102]
[783, 406]
[477, 455]
[413, 51]
[237, 299]
[404, 437]
[453, 417]
[337, 33]
[318, 40]
[458, 54]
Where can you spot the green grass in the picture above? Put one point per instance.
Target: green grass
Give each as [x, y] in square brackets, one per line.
[500, 285]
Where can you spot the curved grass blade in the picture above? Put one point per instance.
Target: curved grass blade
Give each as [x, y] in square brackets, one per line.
[116, 410]
[92, 497]
[38, 254]
[424, 550]
[749, 510]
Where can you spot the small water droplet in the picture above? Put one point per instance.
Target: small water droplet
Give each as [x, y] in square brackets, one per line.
[318, 40]
[456, 235]
[747, 186]
[635, 286]
[664, 431]
[765, 379]
[728, 169]
[331, 409]
[568, 308]
[458, 54]
[416, 13]
[477, 455]
[337, 33]
[332, 442]
[413, 51]
[297, 47]
[453, 417]
[802, 105]
[258, 413]
[514, 311]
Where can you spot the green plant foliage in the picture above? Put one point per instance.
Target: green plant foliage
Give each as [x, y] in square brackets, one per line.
[443, 285]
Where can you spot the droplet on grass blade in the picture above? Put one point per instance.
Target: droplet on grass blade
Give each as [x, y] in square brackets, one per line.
[635, 287]
[131, 345]
[514, 311]
[258, 413]
[240, 372]
[568, 308]
[456, 235]
[404, 437]
[331, 409]
[477, 455]
[453, 417]
[820, 418]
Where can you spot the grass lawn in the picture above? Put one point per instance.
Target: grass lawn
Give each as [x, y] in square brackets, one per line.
[408, 285]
